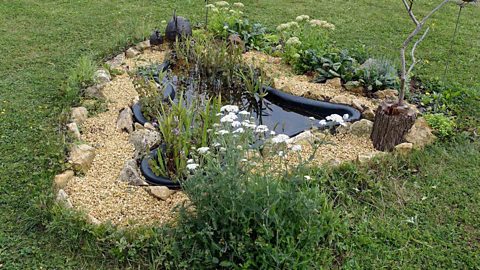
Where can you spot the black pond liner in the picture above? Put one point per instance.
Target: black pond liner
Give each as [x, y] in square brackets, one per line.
[151, 177]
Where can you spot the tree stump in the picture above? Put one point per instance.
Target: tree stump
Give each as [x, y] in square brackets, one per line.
[392, 122]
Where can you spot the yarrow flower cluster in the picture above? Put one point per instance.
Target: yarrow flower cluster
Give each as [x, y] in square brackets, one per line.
[293, 41]
[222, 4]
[238, 5]
[229, 118]
[322, 24]
[192, 166]
[280, 138]
[286, 26]
[229, 108]
[302, 18]
[203, 150]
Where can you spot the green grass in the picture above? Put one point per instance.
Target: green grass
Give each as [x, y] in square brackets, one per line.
[42, 40]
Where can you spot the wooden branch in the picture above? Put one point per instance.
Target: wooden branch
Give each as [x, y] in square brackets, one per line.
[414, 60]
[410, 12]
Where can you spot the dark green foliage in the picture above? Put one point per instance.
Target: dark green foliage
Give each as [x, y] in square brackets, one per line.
[377, 74]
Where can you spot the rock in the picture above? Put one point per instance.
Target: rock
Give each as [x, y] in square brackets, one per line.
[143, 140]
[404, 148]
[73, 129]
[82, 157]
[420, 134]
[335, 162]
[61, 180]
[343, 129]
[79, 115]
[161, 192]
[386, 94]
[357, 104]
[131, 53]
[362, 128]
[117, 61]
[354, 87]
[137, 126]
[62, 197]
[342, 99]
[125, 120]
[302, 138]
[335, 82]
[149, 126]
[93, 220]
[142, 46]
[369, 114]
[131, 174]
[364, 158]
[95, 91]
[101, 76]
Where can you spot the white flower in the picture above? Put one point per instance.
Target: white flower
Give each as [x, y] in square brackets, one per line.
[311, 118]
[216, 125]
[244, 113]
[236, 124]
[222, 4]
[225, 27]
[239, 147]
[216, 144]
[203, 150]
[215, 10]
[345, 116]
[189, 161]
[238, 5]
[163, 22]
[238, 130]
[281, 154]
[209, 6]
[272, 133]
[322, 24]
[192, 166]
[261, 128]
[322, 123]
[296, 148]
[229, 118]
[302, 18]
[282, 27]
[222, 132]
[293, 41]
[307, 177]
[223, 149]
[280, 138]
[229, 108]
[219, 114]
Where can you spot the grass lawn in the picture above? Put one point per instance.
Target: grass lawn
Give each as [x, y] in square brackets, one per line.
[41, 41]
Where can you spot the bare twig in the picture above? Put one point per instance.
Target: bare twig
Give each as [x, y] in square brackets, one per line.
[414, 60]
[408, 7]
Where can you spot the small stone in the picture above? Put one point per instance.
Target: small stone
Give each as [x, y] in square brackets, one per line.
[362, 128]
[137, 126]
[342, 99]
[420, 134]
[357, 105]
[335, 162]
[143, 140]
[131, 53]
[143, 45]
[386, 94]
[62, 197]
[335, 82]
[149, 126]
[79, 115]
[369, 114]
[125, 120]
[343, 129]
[73, 129]
[93, 220]
[305, 137]
[161, 192]
[364, 158]
[61, 180]
[82, 157]
[117, 61]
[95, 91]
[404, 148]
[101, 76]
[131, 174]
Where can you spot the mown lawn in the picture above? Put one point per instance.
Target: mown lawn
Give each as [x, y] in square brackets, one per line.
[41, 40]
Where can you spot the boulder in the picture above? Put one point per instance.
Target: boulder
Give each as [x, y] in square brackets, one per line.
[62, 197]
[362, 128]
[143, 140]
[302, 138]
[95, 91]
[368, 114]
[138, 126]
[161, 192]
[420, 134]
[61, 180]
[79, 115]
[149, 126]
[357, 105]
[341, 99]
[142, 46]
[73, 129]
[81, 157]
[101, 76]
[403, 148]
[335, 82]
[354, 87]
[125, 120]
[131, 174]
[117, 61]
[386, 94]
[131, 53]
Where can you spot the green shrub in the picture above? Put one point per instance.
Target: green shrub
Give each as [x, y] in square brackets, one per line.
[377, 74]
[82, 74]
[443, 126]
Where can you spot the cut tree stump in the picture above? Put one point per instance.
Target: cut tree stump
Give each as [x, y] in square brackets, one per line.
[392, 122]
